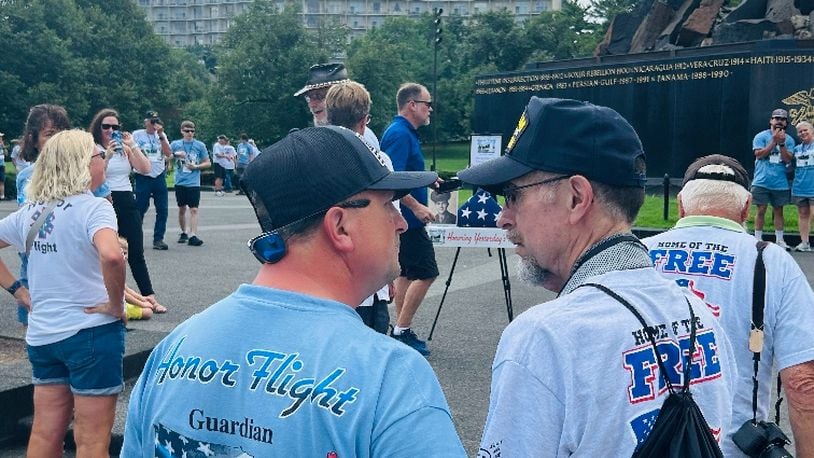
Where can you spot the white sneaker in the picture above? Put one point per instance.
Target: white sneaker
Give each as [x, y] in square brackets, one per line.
[219, 193]
[782, 244]
[803, 247]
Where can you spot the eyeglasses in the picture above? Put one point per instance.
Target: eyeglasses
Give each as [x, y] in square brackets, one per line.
[110, 126]
[512, 192]
[425, 102]
[316, 95]
[188, 131]
[100, 154]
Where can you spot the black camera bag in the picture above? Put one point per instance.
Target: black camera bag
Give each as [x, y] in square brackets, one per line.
[680, 430]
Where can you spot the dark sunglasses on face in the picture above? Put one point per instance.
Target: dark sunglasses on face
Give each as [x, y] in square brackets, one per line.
[425, 102]
[100, 154]
[110, 126]
[188, 131]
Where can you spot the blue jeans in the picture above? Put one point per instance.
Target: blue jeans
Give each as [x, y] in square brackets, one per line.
[156, 188]
[227, 180]
[90, 361]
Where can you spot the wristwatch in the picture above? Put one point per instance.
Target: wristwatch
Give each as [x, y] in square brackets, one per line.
[14, 287]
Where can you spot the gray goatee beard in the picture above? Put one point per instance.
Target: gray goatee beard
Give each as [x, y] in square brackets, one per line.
[529, 271]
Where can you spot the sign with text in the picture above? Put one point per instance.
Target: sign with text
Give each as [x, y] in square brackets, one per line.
[484, 148]
[684, 103]
[468, 237]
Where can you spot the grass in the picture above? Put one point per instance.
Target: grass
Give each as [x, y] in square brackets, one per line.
[652, 215]
[452, 157]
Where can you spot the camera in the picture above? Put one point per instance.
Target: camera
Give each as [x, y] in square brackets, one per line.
[762, 440]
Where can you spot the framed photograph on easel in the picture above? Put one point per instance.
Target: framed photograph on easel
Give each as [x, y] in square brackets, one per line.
[483, 148]
[444, 206]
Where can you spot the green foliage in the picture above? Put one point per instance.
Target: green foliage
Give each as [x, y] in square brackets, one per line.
[397, 52]
[566, 34]
[262, 61]
[91, 54]
[87, 55]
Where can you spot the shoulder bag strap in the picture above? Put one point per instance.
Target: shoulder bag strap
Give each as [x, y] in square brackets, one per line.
[32, 231]
[756, 334]
[686, 362]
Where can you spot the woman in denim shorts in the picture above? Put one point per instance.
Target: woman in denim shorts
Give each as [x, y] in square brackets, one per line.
[76, 274]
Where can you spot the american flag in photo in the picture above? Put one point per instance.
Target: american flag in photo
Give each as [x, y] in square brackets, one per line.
[480, 210]
[170, 444]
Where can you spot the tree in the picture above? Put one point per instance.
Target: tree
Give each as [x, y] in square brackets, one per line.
[563, 34]
[385, 57]
[262, 60]
[86, 55]
[494, 38]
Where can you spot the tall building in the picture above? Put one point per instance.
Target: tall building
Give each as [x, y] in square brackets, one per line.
[189, 22]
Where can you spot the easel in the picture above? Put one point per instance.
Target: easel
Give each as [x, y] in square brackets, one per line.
[504, 276]
[482, 148]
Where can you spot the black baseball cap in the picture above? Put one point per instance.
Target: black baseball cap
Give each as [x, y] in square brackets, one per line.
[569, 137]
[151, 114]
[722, 168]
[312, 169]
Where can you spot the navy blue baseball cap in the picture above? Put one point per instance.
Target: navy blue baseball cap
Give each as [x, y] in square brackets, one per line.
[569, 137]
[312, 169]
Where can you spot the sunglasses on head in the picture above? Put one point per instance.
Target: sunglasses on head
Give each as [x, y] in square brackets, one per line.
[110, 126]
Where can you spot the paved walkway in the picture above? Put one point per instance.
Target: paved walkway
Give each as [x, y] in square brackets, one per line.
[188, 279]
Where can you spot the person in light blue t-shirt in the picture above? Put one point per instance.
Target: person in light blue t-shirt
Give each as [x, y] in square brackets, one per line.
[802, 189]
[191, 157]
[246, 152]
[284, 366]
[773, 151]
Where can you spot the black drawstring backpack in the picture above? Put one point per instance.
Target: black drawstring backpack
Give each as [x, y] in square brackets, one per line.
[680, 430]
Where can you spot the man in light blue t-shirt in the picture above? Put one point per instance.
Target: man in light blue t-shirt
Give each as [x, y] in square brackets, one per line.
[246, 152]
[773, 150]
[191, 157]
[284, 366]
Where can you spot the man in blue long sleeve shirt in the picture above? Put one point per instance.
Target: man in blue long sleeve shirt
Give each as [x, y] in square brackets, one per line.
[416, 256]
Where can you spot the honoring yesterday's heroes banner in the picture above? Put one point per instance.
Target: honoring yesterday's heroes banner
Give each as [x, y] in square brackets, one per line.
[684, 103]
[468, 237]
